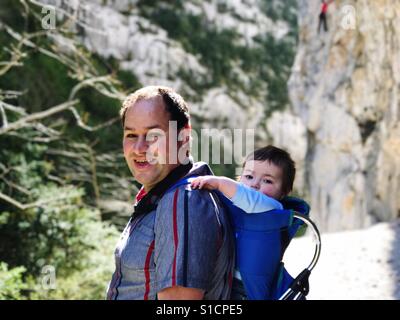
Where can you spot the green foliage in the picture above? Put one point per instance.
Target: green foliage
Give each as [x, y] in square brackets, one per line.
[281, 10]
[90, 279]
[12, 13]
[44, 80]
[63, 233]
[11, 282]
[61, 230]
[53, 222]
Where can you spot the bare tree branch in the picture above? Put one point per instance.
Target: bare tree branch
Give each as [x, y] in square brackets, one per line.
[33, 139]
[77, 164]
[25, 40]
[37, 116]
[17, 187]
[94, 174]
[10, 94]
[39, 203]
[15, 109]
[88, 128]
[92, 82]
[3, 115]
[16, 55]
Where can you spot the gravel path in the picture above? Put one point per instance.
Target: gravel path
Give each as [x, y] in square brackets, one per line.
[354, 265]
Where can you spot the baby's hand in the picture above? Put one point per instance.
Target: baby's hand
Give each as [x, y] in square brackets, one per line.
[205, 182]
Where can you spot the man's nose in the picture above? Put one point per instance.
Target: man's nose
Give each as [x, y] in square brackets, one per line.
[141, 145]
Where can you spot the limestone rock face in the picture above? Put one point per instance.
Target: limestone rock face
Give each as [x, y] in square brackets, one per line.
[134, 33]
[345, 88]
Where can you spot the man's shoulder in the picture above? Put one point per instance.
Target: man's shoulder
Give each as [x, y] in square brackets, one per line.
[194, 198]
[192, 194]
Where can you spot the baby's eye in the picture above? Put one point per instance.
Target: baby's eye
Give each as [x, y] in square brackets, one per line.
[268, 181]
[248, 176]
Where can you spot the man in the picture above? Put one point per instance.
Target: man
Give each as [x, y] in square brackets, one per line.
[178, 243]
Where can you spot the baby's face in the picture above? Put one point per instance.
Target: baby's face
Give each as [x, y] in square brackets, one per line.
[263, 176]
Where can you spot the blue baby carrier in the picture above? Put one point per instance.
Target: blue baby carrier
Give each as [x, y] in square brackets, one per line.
[262, 271]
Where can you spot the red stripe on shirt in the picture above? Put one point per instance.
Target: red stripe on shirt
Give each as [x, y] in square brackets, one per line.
[140, 195]
[147, 271]
[175, 227]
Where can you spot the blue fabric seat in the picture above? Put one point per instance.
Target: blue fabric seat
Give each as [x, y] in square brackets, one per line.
[261, 241]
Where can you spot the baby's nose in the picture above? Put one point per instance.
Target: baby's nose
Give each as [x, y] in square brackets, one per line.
[255, 186]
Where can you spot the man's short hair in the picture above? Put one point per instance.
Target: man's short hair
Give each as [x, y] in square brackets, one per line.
[281, 159]
[174, 104]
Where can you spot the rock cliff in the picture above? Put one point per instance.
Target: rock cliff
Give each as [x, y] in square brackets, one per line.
[344, 91]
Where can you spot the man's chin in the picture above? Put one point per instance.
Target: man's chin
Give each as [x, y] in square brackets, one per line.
[142, 179]
[149, 178]
[146, 179]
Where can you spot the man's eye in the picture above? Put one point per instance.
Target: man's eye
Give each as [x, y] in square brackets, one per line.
[130, 135]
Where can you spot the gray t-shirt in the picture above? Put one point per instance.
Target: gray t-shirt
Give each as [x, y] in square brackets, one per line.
[187, 241]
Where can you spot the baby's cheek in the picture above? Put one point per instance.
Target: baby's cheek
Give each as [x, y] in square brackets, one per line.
[244, 181]
[269, 191]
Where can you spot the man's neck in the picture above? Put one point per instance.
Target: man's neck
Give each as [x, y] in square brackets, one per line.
[150, 199]
[149, 187]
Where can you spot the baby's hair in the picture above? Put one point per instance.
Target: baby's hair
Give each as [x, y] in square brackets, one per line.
[281, 159]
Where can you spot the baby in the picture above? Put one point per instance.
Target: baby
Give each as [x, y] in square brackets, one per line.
[267, 177]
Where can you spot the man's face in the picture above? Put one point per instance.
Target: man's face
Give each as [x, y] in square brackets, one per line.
[145, 142]
[263, 176]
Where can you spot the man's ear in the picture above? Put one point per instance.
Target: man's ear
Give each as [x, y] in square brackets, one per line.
[184, 140]
[185, 133]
